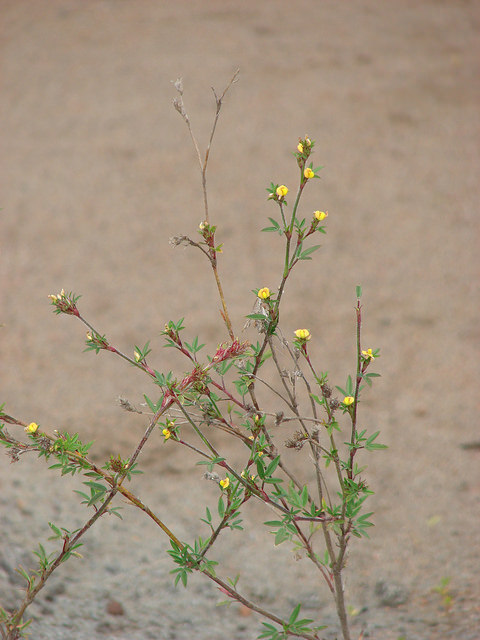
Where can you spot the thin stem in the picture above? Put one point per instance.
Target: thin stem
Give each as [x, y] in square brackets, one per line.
[151, 426]
[230, 591]
[358, 381]
[68, 544]
[203, 169]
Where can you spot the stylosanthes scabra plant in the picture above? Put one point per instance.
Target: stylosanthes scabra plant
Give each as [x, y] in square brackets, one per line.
[220, 391]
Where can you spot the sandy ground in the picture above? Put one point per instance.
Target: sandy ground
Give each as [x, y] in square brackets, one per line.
[98, 172]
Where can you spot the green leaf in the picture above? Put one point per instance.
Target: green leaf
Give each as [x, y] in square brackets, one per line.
[275, 226]
[257, 316]
[358, 290]
[361, 524]
[151, 405]
[260, 468]
[282, 535]
[294, 614]
[194, 347]
[304, 496]
[274, 523]
[221, 507]
[270, 632]
[370, 445]
[305, 255]
[272, 466]
[273, 480]
[55, 530]
[114, 512]
[348, 391]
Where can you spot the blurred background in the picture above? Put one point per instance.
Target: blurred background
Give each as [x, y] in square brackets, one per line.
[98, 172]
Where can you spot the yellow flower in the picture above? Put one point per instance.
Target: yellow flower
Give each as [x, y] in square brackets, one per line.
[368, 354]
[260, 454]
[264, 293]
[348, 400]
[202, 225]
[31, 428]
[58, 297]
[300, 147]
[282, 191]
[320, 215]
[308, 173]
[167, 433]
[224, 483]
[303, 334]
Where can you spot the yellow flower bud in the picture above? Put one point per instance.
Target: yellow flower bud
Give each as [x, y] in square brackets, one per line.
[308, 173]
[31, 428]
[264, 293]
[303, 334]
[300, 147]
[282, 191]
[320, 215]
[308, 142]
[348, 400]
[137, 356]
[166, 433]
[224, 483]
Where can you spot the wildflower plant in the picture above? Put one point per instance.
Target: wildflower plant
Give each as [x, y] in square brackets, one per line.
[221, 391]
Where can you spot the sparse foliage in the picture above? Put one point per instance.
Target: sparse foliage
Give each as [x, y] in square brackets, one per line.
[221, 391]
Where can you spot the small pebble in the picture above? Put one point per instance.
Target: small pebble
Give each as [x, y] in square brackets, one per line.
[114, 608]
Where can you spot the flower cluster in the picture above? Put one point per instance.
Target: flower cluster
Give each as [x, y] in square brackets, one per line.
[303, 334]
[95, 342]
[31, 428]
[172, 331]
[277, 192]
[65, 303]
[226, 351]
[308, 173]
[207, 231]
[304, 149]
[264, 293]
[320, 215]
[169, 429]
